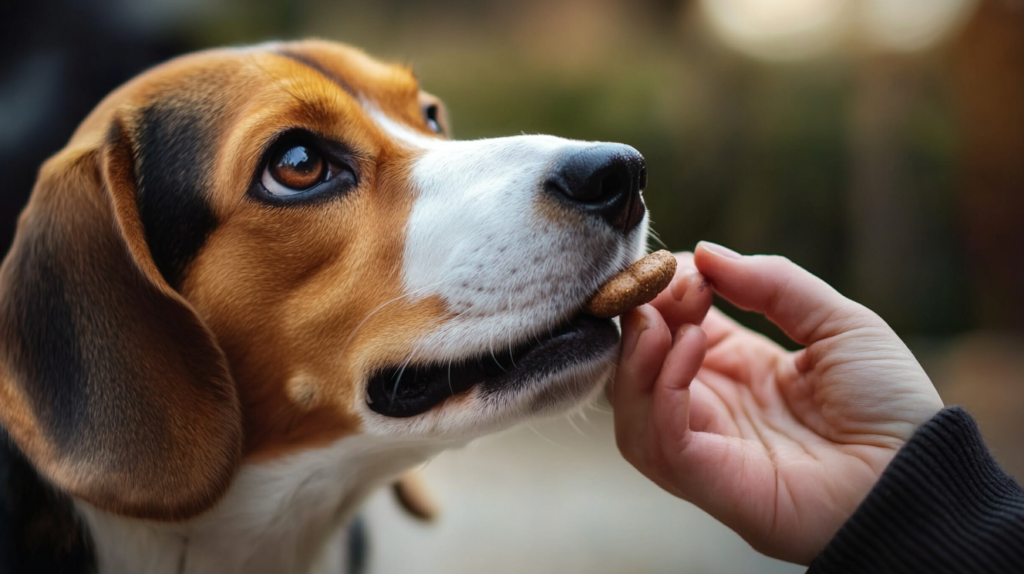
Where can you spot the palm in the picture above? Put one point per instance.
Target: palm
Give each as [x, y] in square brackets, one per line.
[798, 434]
[779, 446]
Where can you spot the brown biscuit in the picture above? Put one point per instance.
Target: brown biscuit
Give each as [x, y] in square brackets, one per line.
[637, 284]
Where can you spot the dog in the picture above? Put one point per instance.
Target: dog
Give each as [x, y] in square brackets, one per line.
[260, 283]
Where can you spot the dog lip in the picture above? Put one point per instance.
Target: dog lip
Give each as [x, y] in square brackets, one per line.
[410, 390]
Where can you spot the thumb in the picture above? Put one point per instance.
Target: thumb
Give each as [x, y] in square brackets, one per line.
[802, 305]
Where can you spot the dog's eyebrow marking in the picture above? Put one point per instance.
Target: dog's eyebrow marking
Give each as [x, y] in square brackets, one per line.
[313, 64]
[175, 139]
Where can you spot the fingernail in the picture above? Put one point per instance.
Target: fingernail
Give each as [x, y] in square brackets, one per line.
[719, 250]
[638, 324]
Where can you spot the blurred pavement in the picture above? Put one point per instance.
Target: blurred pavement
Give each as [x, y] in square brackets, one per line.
[555, 497]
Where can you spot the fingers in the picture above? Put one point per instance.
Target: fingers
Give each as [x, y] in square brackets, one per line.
[804, 306]
[671, 393]
[651, 387]
[646, 341]
[652, 399]
[651, 390]
[687, 298]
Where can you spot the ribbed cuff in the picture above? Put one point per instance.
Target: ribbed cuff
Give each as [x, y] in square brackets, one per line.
[943, 505]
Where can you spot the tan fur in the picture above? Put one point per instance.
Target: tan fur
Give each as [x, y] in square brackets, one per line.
[292, 307]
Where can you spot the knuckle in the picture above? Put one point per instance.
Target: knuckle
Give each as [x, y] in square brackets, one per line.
[780, 262]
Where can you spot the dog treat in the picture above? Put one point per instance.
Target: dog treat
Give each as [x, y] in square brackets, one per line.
[637, 284]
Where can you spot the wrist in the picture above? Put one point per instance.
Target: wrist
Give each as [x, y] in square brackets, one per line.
[942, 505]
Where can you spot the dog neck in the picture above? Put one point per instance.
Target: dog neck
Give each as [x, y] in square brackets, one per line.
[285, 516]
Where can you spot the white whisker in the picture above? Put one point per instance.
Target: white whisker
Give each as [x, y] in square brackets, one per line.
[380, 307]
[408, 359]
[451, 389]
[572, 423]
[653, 237]
[547, 439]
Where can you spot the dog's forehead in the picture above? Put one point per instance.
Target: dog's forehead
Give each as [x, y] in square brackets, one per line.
[296, 71]
[361, 76]
[201, 123]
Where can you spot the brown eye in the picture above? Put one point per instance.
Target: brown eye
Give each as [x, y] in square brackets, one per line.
[293, 169]
[299, 167]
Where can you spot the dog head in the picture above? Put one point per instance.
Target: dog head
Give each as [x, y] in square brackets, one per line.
[248, 252]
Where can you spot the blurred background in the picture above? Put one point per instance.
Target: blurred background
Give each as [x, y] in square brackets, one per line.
[878, 143]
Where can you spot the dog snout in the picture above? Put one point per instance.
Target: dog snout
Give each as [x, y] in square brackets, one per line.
[603, 180]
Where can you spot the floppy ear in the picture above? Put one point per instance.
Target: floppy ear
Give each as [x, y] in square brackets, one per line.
[109, 382]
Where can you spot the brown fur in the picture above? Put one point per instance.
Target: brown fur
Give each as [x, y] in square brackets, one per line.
[282, 313]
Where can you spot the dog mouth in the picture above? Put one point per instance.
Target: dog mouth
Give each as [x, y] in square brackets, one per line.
[409, 390]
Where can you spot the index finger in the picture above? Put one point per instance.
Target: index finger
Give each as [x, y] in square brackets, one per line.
[801, 304]
[687, 298]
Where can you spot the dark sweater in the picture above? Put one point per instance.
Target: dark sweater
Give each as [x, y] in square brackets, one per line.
[942, 505]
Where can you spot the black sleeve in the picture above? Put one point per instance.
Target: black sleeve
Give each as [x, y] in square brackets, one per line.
[942, 505]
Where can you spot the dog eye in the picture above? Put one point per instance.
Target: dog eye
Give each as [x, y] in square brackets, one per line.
[431, 112]
[300, 166]
[294, 168]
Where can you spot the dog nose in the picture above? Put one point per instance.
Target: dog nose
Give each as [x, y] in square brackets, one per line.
[604, 180]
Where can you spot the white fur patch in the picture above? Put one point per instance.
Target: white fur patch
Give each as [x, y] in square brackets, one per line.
[479, 238]
[283, 517]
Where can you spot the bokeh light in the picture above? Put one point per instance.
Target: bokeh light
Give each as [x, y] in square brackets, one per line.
[778, 29]
[787, 30]
[910, 25]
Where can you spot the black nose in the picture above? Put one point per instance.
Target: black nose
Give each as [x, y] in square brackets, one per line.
[604, 180]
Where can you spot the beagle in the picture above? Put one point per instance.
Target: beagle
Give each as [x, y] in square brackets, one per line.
[260, 283]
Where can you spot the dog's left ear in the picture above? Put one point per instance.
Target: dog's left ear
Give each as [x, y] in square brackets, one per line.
[110, 383]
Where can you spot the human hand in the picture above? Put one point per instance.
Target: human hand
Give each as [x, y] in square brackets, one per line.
[780, 446]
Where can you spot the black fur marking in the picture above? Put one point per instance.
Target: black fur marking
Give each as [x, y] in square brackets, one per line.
[175, 141]
[44, 340]
[64, 324]
[311, 63]
[39, 528]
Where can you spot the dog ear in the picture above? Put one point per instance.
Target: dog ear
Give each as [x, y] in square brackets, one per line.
[109, 382]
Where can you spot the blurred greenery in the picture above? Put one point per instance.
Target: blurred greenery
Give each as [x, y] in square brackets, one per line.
[850, 163]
